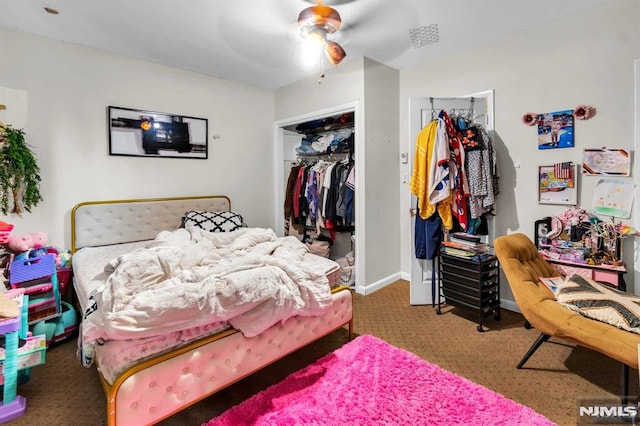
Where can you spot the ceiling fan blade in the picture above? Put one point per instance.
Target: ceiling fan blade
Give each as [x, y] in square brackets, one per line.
[334, 52]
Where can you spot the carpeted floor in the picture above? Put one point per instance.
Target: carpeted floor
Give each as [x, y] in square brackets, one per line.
[62, 392]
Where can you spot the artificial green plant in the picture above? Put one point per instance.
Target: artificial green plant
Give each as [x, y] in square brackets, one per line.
[19, 172]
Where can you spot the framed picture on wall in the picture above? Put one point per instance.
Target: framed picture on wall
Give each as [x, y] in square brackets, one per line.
[141, 133]
[558, 184]
[555, 130]
[605, 161]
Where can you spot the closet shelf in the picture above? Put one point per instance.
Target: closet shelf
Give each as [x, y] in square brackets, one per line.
[334, 156]
[325, 129]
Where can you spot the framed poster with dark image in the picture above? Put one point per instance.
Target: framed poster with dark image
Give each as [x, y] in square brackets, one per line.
[555, 130]
[556, 187]
[141, 133]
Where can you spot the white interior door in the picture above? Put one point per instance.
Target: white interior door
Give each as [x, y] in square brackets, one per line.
[421, 112]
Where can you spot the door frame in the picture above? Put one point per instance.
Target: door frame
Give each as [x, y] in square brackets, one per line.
[279, 175]
[636, 173]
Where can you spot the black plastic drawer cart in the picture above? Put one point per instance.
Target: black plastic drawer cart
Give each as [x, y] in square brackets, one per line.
[472, 282]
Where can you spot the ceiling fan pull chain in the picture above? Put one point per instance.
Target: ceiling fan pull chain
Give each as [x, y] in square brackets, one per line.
[321, 70]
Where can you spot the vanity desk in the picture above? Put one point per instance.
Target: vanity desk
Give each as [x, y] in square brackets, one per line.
[609, 274]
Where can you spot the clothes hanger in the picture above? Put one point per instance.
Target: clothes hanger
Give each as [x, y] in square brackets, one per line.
[471, 108]
[433, 110]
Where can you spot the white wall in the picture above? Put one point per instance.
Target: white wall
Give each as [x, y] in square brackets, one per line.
[382, 166]
[341, 85]
[584, 59]
[374, 88]
[69, 89]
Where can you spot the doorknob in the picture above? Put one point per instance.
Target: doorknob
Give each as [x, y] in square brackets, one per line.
[412, 212]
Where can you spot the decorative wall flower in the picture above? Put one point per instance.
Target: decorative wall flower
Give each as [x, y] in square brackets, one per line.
[584, 112]
[530, 118]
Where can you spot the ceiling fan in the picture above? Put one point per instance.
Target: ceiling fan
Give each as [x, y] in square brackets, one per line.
[315, 23]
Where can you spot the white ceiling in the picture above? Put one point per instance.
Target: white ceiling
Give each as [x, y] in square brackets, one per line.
[256, 42]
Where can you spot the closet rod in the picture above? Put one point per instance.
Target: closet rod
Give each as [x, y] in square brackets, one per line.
[461, 98]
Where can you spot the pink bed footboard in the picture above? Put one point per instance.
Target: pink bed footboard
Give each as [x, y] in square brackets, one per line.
[167, 384]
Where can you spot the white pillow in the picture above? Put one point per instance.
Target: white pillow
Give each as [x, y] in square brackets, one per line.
[213, 221]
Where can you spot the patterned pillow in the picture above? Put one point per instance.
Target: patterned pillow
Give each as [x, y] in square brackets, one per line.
[600, 302]
[213, 221]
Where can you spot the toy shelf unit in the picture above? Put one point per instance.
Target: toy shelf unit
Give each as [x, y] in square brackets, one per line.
[18, 352]
[38, 277]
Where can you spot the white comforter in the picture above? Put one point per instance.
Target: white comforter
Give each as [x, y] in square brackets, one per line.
[185, 278]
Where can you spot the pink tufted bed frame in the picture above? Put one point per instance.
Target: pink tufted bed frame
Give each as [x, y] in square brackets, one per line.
[165, 384]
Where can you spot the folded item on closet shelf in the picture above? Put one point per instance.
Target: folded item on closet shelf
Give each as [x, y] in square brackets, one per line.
[342, 134]
[320, 145]
[306, 147]
[310, 125]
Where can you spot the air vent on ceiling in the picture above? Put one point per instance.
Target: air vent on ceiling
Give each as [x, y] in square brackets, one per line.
[423, 36]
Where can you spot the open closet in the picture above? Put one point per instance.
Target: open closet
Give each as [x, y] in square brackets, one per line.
[320, 186]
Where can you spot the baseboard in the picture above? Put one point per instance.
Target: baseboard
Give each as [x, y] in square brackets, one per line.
[370, 288]
[509, 305]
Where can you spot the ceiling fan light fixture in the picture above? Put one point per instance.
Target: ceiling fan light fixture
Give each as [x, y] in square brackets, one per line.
[312, 46]
[319, 16]
[315, 23]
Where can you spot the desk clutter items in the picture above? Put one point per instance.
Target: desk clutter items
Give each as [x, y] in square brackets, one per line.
[580, 237]
[19, 351]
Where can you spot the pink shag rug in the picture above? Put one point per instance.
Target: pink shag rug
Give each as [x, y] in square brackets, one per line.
[369, 382]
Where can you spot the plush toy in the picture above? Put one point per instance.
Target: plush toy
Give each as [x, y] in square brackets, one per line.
[20, 243]
[64, 260]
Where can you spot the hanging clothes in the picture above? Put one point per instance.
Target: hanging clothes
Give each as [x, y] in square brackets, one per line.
[320, 194]
[288, 194]
[482, 171]
[460, 184]
[439, 181]
[419, 183]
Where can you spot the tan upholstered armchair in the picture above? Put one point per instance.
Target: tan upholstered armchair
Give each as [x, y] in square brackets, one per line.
[522, 265]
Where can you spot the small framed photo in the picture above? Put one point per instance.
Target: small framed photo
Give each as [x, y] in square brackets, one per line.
[558, 184]
[605, 161]
[555, 130]
[141, 133]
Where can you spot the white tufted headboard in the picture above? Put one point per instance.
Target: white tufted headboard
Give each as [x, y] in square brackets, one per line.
[100, 223]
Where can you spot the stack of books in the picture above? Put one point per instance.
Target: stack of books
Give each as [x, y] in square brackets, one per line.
[464, 245]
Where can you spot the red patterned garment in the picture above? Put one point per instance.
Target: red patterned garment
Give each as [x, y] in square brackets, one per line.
[460, 184]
